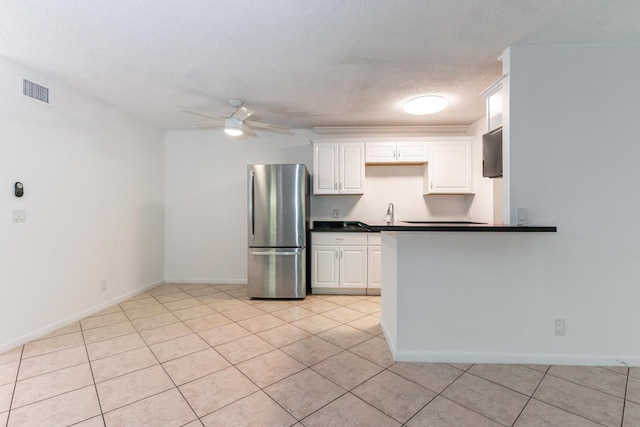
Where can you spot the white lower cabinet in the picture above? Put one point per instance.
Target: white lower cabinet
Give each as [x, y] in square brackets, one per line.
[374, 264]
[338, 261]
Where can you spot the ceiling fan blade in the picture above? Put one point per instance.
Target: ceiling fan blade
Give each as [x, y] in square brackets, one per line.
[248, 131]
[210, 125]
[242, 113]
[269, 127]
[201, 113]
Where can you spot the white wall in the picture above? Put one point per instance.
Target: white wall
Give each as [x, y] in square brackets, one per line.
[572, 130]
[206, 202]
[93, 182]
[206, 198]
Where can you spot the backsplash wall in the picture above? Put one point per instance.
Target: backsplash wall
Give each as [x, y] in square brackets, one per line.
[402, 186]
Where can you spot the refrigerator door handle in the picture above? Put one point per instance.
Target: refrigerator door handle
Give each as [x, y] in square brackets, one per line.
[270, 253]
[252, 218]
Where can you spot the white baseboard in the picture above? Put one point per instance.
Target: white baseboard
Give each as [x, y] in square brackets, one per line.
[339, 291]
[514, 358]
[207, 281]
[390, 343]
[40, 332]
[507, 358]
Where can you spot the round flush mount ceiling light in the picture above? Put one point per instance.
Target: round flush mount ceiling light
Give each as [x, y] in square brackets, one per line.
[427, 104]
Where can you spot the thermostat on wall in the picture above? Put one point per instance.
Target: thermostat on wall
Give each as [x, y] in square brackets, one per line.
[19, 189]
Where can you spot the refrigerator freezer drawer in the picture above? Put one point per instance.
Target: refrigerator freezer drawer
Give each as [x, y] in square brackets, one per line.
[277, 273]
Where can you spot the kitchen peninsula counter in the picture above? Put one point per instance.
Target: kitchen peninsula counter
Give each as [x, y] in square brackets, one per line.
[456, 226]
[460, 226]
[454, 293]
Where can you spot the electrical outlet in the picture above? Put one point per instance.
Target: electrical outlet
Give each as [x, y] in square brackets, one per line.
[559, 327]
[104, 285]
[523, 216]
[336, 213]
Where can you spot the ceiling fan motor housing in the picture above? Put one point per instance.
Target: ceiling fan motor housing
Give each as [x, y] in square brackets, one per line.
[233, 126]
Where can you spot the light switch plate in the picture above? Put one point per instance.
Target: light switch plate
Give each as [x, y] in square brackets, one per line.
[19, 215]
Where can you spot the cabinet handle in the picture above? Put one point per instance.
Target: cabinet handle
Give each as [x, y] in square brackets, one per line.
[335, 185]
[336, 254]
[339, 239]
[341, 254]
[340, 186]
[398, 154]
[394, 154]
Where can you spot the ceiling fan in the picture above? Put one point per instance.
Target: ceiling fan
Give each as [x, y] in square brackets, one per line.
[236, 124]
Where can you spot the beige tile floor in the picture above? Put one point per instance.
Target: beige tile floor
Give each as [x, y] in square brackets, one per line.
[193, 355]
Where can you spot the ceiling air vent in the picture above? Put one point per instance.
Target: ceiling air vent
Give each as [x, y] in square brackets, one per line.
[35, 91]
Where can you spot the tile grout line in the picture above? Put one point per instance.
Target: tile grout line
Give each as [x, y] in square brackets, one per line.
[531, 397]
[589, 387]
[15, 385]
[95, 386]
[199, 418]
[166, 373]
[624, 401]
[564, 409]
[464, 371]
[138, 370]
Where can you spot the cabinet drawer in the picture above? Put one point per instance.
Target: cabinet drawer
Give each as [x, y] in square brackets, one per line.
[339, 239]
[374, 239]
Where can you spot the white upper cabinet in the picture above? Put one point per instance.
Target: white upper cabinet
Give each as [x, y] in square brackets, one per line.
[411, 152]
[351, 173]
[494, 96]
[325, 168]
[338, 167]
[449, 170]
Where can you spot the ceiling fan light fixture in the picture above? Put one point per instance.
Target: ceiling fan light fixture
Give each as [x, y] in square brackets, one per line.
[233, 127]
[423, 105]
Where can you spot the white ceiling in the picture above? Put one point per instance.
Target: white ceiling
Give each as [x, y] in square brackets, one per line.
[298, 63]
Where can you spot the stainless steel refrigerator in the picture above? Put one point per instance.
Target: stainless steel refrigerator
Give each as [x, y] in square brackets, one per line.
[278, 218]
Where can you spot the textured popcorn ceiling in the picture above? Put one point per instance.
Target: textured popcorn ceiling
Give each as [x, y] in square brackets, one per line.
[298, 63]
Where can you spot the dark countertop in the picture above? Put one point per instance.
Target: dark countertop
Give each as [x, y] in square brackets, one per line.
[357, 226]
[340, 226]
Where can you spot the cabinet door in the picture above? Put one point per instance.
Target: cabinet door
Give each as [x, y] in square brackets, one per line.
[449, 169]
[325, 168]
[353, 266]
[374, 267]
[351, 168]
[325, 267]
[380, 152]
[494, 109]
[412, 152]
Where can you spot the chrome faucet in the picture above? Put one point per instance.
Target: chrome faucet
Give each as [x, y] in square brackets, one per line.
[390, 214]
